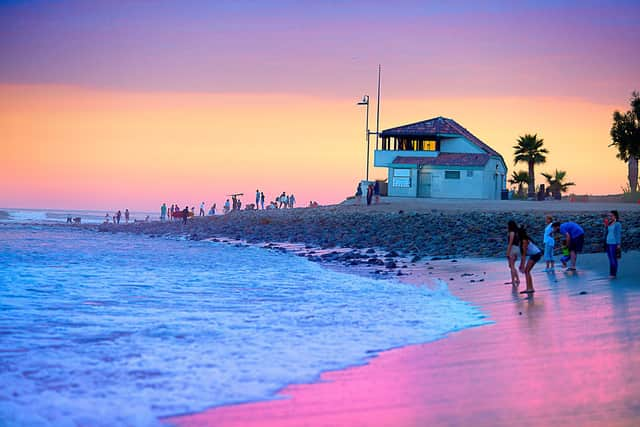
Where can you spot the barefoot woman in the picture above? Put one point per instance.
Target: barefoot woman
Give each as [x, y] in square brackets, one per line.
[513, 249]
[532, 254]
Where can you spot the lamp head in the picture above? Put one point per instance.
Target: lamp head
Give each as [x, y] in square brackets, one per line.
[365, 100]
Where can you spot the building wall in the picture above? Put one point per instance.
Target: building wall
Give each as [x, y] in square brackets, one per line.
[459, 145]
[384, 158]
[411, 191]
[494, 179]
[467, 187]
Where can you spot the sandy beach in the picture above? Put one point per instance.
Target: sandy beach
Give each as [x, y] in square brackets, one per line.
[566, 356]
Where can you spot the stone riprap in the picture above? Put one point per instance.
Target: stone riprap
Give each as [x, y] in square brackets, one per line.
[416, 234]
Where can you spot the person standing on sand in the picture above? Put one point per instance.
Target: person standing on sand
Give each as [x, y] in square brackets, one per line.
[262, 200]
[185, 214]
[376, 191]
[369, 194]
[513, 249]
[614, 242]
[257, 199]
[292, 201]
[163, 211]
[118, 216]
[358, 194]
[202, 209]
[549, 243]
[126, 216]
[530, 250]
[574, 240]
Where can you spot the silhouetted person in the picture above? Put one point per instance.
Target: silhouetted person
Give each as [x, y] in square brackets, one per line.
[185, 214]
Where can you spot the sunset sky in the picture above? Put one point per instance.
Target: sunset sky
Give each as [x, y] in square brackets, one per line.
[114, 104]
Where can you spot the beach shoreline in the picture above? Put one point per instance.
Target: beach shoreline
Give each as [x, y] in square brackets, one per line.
[512, 371]
[370, 394]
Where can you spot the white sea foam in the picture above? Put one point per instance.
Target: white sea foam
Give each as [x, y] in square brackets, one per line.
[100, 329]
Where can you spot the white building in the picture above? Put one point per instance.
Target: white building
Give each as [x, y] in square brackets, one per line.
[441, 159]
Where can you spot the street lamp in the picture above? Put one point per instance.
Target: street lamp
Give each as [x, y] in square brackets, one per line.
[365, 101]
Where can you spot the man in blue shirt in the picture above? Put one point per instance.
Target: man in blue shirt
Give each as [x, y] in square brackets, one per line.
[574, 239]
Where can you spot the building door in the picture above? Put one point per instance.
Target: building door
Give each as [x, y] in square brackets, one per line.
[424, 183]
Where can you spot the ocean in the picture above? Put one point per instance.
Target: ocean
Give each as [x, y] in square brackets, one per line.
[109, 329]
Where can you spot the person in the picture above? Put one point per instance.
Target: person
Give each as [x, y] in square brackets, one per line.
[565, 254]
[614, 242]
[226, 206]
[292, 201]
[212, 210]
[532, 254]
[359, 194]
[257, 199]
[185, 214]
[262, 200]
[107, 218]
[118, 216]
[549, 243]
[376, 191]
[574, 239]
[513, 249]
[369, 194]
[202, 209]
[126, 216]
[163, 211]
[114, 218]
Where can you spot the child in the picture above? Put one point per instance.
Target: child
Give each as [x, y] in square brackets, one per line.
[549, 243]
[565, 256]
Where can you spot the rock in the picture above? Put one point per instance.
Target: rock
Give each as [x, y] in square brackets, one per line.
[390, 264]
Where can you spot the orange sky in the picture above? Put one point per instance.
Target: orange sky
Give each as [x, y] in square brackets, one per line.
[70, 147]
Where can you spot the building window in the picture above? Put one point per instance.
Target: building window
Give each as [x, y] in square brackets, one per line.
[469, 174]
[428, 145]
[401, 178]
[451, 174]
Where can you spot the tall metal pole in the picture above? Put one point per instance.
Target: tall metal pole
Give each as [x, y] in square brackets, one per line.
[367, 133]
[378, 111]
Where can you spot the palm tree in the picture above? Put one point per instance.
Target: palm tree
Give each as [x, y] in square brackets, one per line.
[529, 150]
[519, 178]
[556, 183]
[625, 134]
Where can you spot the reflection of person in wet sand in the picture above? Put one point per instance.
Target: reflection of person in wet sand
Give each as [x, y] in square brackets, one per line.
[532, 254]
[513, 249]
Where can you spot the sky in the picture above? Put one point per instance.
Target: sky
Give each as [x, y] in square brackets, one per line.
[114, 104]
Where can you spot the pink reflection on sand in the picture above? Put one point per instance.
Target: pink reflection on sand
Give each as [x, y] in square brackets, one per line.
[559, 358]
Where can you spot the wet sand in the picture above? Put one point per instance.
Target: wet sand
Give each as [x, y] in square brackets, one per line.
[569, 355]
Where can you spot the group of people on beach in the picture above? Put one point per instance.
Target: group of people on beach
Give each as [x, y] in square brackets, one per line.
[571, 237]
[116, 217]
[174, 212]
[373, 193]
